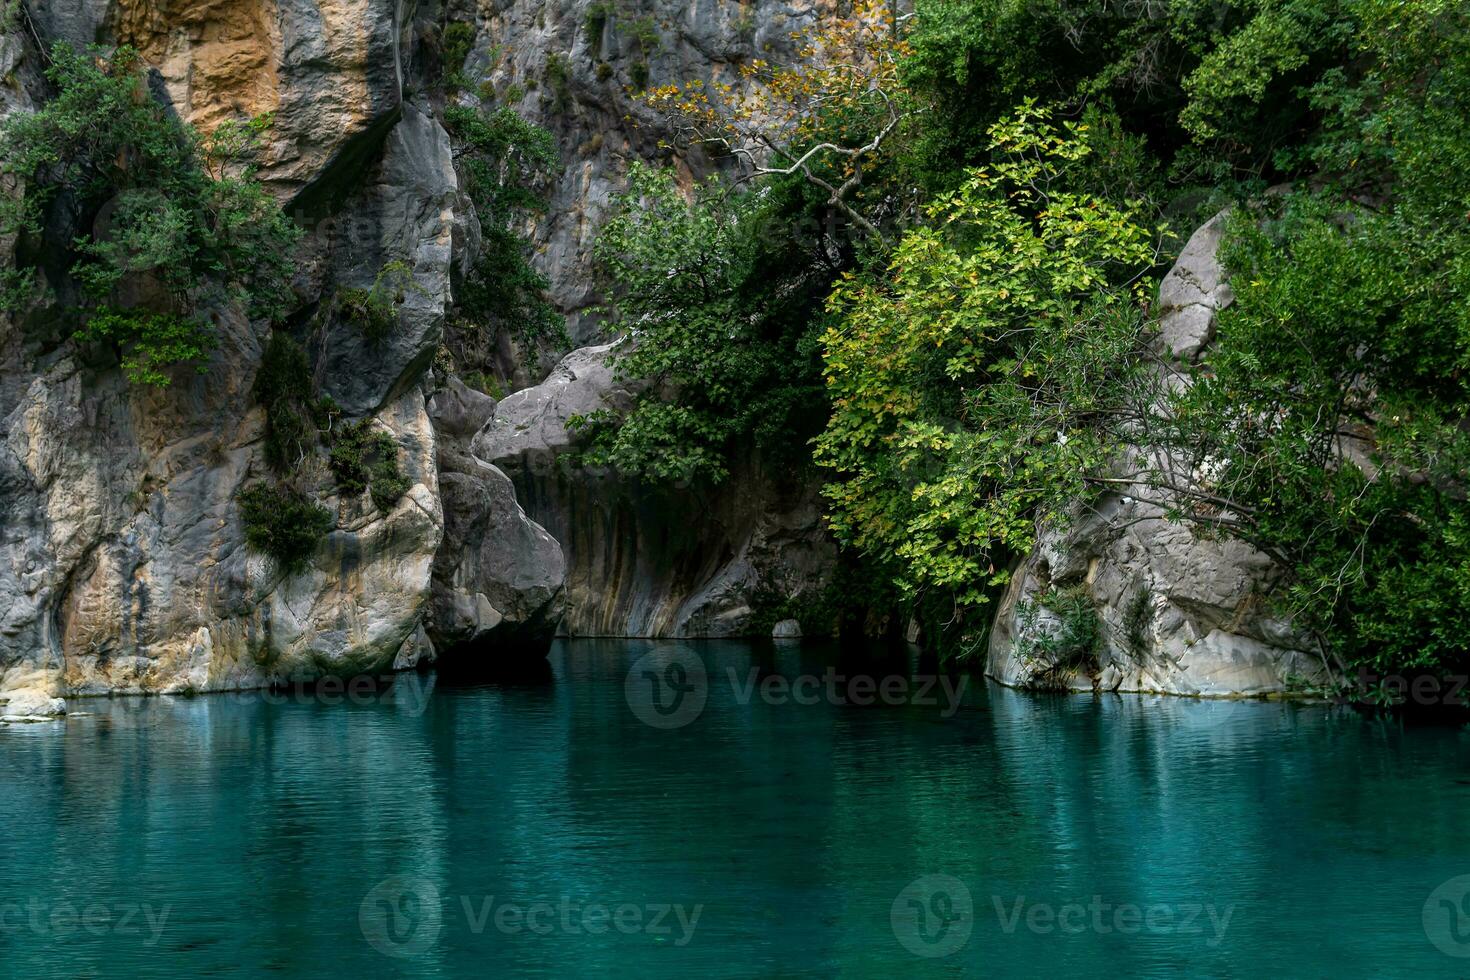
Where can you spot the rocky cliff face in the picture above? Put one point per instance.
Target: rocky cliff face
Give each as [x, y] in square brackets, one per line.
[652, 561]
[573, 66]
[122, 558]
[1179, 614]
[125, 567]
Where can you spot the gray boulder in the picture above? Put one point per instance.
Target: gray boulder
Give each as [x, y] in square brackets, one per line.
[499, 576]
[786, 629]
[30, 704]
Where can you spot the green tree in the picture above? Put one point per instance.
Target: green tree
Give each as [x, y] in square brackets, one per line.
[966, 379]
[1218, 90]
[504, 162]
[718, 296]
[1330, 422]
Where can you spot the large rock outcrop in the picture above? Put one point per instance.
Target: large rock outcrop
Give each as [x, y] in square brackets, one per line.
[499, 576]
[1180, 614]
[328, 71]
[122, 558]
[648, 560]
[125, 561]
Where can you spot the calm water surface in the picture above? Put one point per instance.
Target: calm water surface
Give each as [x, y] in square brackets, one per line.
[540, 828]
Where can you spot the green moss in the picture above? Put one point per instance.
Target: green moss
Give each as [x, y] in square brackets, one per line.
[284, 523]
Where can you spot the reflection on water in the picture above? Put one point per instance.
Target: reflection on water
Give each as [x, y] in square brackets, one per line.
[538, 827]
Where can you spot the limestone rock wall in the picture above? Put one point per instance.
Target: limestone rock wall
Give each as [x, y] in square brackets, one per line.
[122, 558]
[577, 75]
[646, 560]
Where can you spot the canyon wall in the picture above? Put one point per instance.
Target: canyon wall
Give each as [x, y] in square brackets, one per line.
[123, 566]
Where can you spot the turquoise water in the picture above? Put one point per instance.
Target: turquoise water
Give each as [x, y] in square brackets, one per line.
[541, 828]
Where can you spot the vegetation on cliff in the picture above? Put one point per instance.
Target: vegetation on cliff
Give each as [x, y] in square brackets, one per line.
[988, 346]
[141, 226]
[504, 163]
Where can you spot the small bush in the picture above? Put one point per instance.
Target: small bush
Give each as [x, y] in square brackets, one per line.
[598, 14]
[645, 32]
[604, 71]
[151, 342]
[745, 23]
[638, 74]
[376, 319]
[283, 385]
[459, 38]
[365, 458]
[486, 383]
[284, 523]
[375, 309]
[559, 80]
[1068, 645]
